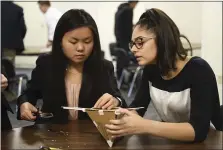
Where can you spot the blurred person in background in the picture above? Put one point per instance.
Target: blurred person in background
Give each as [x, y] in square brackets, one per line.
[123, 31]
[52, 15]
[13, 30]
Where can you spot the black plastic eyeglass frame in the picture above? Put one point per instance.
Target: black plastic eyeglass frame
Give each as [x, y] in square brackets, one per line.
[143, 40]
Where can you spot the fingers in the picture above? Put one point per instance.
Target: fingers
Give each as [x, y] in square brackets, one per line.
[27, 115]
[98, 102]
[108, 105]
[4, 82]
[106, 101]
[116, 133]
[4, 85]
[126, 111]
[115, 130]
[118, 121]
[3, 78]
[102, 100]
[33, 109]
[26, 110]
[118, 130]
[113, 127]
[115, 103]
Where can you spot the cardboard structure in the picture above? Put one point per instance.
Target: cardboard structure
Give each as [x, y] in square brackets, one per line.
[100, 117]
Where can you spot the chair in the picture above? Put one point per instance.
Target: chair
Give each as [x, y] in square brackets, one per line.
[132, 68]
[129, 68]
[190, 49]
[138, 73]
[16, 82]
[112, 49]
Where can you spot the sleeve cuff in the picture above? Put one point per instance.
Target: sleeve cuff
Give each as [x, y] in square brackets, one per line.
[120, 101]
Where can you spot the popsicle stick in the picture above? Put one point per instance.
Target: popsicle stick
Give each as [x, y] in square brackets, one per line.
[75, 108]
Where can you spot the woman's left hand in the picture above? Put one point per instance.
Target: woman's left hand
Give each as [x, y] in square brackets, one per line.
[130, 123]
[106, 101]
[4, 82]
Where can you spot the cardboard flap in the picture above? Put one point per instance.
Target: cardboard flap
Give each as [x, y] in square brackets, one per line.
[101, 117]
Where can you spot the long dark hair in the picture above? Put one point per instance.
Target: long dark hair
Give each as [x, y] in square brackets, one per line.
[168, 42]
[73, 19]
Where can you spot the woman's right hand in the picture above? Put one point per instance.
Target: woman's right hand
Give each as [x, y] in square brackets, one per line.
[26, 110]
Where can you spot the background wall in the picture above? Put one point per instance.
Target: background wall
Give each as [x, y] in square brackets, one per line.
[212, 39]
[188, 20]
[212, 35]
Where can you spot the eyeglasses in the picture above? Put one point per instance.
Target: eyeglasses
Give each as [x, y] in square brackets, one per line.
[139, 42]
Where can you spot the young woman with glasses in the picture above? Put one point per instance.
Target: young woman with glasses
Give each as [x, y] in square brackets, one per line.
[183, 89]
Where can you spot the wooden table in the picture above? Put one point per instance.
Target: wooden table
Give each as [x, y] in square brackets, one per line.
[84, 135]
